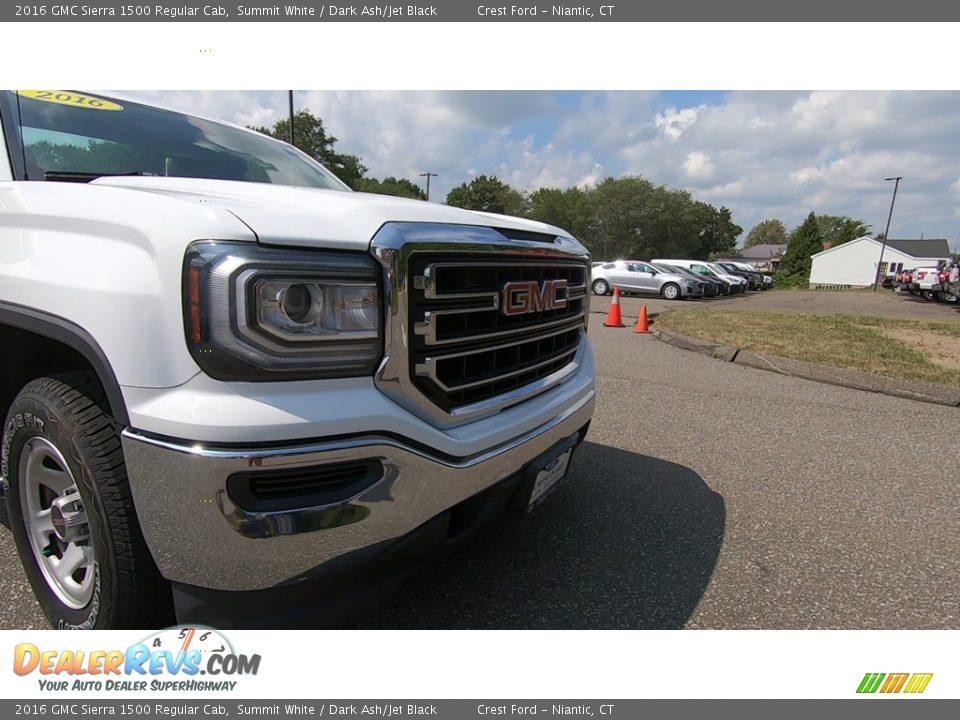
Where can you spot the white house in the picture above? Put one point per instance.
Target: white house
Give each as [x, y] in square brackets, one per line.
[855, 264]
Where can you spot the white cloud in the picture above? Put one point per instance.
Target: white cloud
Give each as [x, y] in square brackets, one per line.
[698, 165]
[673, 123]
[763, 154]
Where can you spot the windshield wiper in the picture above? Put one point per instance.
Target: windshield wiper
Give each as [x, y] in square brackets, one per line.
[82, 177]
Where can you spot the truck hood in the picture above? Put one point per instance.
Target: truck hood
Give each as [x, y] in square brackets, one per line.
[285, 215]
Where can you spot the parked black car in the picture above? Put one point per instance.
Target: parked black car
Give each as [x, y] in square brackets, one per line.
[754, 278]
[712, 287]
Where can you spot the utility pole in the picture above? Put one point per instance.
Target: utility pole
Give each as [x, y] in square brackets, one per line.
[290, 97]
[886, 233]
[428, 175]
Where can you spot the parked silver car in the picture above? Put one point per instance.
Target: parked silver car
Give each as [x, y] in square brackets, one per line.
[634, 276]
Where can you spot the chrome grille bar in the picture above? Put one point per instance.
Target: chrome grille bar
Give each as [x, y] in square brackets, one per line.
[429, 367]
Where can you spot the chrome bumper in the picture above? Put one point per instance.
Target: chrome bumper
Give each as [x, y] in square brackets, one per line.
[199, 537]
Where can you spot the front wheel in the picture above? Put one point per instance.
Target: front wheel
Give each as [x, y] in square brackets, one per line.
[71, 512]
[670, 291]
[928, 295]
[601, 287]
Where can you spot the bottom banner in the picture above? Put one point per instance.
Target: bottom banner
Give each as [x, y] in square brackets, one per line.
[457, 709]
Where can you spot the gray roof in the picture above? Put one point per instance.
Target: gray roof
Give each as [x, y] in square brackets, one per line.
[921, 248]
[764, 251]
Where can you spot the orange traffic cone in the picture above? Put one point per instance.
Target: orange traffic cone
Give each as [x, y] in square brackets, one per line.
[614, 319]
[642, 325]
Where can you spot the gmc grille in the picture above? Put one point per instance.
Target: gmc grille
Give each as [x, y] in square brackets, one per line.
[464, 348]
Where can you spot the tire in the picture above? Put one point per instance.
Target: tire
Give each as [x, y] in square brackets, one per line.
[927, 294]
[68, 488]
[601, 287]
[671, 291]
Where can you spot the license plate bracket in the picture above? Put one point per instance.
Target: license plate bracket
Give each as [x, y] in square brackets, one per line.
[545, 474]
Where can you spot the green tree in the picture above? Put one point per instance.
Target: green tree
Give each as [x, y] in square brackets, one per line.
[96, 157]
[400, 187]
[310, 136]
[718, 232]
[805, 240]
[771, 231]
[489, 194]
[839, 229]
[851, 230]
[627, 217]
[630, 217]
[618, 209]
[568, 209]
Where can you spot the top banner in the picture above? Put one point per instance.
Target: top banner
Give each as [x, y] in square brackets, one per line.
[491, 11]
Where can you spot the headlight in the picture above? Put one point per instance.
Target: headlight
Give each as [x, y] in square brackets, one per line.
[301, 311]
[255, 313]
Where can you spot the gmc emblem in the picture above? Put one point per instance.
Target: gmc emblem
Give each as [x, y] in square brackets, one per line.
[527, 296]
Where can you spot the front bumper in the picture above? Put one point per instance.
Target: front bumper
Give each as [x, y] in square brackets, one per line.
[199, 537]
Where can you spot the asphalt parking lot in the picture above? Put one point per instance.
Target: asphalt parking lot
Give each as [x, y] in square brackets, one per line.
[708, 495]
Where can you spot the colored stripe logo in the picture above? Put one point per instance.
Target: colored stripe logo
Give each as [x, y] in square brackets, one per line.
[912, 683]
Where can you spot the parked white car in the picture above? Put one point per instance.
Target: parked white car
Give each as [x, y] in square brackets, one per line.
[702, 267]
[741, 283]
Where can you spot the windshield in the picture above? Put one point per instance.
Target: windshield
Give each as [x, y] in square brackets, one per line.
[77, 136]
[680, 270]
[664, 268]
[703, 270]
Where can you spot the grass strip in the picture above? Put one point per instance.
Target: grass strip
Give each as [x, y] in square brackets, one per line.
[847, 341]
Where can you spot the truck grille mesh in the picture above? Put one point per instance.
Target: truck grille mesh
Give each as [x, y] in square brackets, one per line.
[464, 348]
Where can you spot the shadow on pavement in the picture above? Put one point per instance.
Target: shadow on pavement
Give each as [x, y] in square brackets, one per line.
[628, 541]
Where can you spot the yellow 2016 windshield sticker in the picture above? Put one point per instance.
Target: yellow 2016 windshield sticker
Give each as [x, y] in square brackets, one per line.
[62, 97]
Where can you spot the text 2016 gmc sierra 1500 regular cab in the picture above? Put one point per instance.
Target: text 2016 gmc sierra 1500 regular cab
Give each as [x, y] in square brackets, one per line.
[233, 387]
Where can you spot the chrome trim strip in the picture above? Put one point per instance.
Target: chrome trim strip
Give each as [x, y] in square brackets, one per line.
[524, 393]
[427, 329]
[428, 368]
[426, 282]
[393, 246]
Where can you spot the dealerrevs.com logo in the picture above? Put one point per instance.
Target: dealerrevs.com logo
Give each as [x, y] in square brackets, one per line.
[170, 660]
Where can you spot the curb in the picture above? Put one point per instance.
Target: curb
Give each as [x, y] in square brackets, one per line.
[843, 377]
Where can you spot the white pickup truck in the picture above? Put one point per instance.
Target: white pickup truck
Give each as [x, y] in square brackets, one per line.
[237, 393]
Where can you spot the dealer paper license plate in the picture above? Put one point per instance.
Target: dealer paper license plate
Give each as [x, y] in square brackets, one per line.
[549, 478]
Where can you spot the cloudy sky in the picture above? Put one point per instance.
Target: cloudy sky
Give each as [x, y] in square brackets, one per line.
[763, 154]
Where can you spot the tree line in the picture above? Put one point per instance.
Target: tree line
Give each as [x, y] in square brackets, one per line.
[626, 217]
[619, 217]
